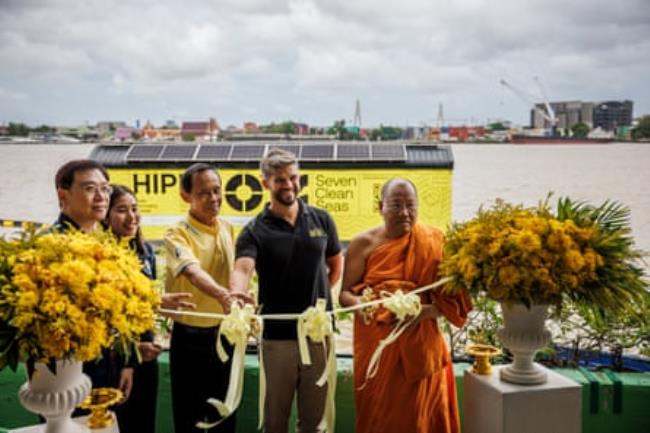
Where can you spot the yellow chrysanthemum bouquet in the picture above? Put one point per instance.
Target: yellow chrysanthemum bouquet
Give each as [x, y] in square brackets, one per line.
[579, 253]
[70, 295]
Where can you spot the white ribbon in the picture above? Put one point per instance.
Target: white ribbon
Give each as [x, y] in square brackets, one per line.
[235, 327]
[403, 306]
[328, 422]
[262, 387]
[314, 323]
[265, 317]
[373, 364]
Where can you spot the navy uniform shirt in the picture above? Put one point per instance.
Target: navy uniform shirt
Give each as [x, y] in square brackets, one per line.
[290, 262]
[62, 224]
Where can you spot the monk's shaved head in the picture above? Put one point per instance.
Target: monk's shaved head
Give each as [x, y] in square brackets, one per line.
[392, 182]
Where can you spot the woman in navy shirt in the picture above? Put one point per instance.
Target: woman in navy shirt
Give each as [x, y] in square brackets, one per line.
[138, 413]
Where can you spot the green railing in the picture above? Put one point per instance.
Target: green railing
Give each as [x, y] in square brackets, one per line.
[611, 402]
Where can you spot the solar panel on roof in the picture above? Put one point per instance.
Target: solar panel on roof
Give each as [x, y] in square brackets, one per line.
[144, 151]
[388, 151]
[175, 151]
[247, 152]
[353, 151]
[109, 154]
[434, 156]
[212, 152]
[317, 151]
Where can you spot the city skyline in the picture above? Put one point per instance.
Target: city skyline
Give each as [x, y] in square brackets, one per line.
[307, 61]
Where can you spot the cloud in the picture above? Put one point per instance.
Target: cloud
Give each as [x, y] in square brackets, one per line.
[240, 60]
[8, 95]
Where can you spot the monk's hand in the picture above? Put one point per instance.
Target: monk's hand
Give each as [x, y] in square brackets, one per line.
[366, 314]
[428, 312]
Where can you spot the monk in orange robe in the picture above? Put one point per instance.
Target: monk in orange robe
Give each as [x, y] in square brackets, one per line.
[414, 388]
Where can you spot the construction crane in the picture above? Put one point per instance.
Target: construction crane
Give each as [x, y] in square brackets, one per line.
[548, 115]
[549, 109]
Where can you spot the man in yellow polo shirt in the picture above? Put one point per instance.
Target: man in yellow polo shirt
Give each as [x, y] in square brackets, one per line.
[200, 254]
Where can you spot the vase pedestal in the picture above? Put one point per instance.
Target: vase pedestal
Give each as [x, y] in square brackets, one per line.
[494, 406]
[40, 428]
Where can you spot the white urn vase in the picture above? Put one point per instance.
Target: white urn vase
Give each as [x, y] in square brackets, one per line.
[55, 396]
[523, 333]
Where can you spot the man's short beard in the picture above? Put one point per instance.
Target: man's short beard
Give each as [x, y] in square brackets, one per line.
[278, 197]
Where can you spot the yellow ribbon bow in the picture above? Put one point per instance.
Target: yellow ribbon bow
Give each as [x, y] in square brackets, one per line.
[403, 305]
[236, 328]
[316, 324]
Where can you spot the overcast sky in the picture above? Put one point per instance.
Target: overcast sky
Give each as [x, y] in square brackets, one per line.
[70, 61]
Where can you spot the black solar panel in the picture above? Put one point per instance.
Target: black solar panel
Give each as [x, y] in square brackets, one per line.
[388, 151]
[353, 151]
[144, 151]
[434, 156]
[175, 151]
[110, 155]
[317, 151]
[212, 152]
[247, 152]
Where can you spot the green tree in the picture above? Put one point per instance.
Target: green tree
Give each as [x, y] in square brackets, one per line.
[18, 129]
[497, 126]
[44, 129]
[642, 130]
[580, 130]
[286, 127]
[386, 133]
[338, 129]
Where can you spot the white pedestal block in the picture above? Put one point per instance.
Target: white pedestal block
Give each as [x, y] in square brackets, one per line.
[40, 428]
[493, 406]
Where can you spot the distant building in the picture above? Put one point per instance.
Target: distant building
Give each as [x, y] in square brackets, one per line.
[200, 130]
[301, 128]
[105, 128]
[465, 133]
[150, 132]
[416, 133]
[610, 115]
[568, 113]
[251, 128]
[126, 134]
[607, 115]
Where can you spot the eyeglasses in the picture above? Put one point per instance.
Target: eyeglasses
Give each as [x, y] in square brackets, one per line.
[91, 189]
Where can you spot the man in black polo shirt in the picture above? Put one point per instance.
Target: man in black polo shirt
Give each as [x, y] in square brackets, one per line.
[296, 252]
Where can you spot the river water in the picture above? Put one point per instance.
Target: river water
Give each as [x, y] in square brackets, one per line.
[482, 173]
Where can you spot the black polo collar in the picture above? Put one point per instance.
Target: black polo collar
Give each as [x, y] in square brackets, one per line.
[303, 209]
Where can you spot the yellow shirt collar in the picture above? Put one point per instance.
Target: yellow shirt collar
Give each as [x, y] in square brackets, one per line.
[212, 230]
